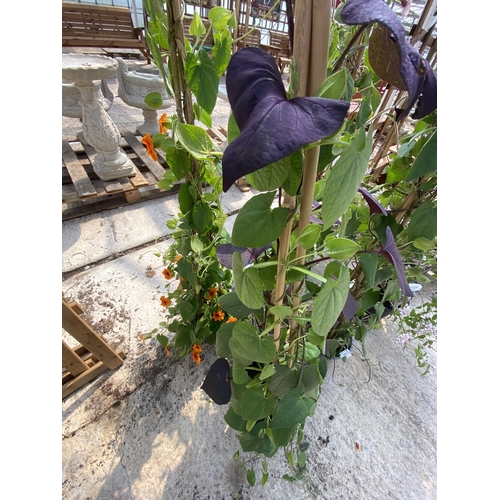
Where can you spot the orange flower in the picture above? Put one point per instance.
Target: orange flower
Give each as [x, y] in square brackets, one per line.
[218, 316]
[196, 353]
[177, 258]
[167, 352]
[232, 320]
[142, 337]
[167, 274]
[165, 301]
[163, 123]
[212, 292]
[148, 142]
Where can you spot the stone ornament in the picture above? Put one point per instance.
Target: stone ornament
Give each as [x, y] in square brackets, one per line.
[134, 86]
[98, 128]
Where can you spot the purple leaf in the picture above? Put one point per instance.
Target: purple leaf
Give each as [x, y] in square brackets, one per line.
[271, 126]
[225, 253]
[391, 253]
[350, 307]
[217, 383]
[419, 77]
[373, 203]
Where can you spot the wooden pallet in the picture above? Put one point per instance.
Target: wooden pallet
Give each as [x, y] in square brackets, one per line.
[89, 359]
[84, 193]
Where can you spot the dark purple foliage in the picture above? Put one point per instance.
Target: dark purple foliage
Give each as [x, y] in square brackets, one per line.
[271, 126]
[391, 253]
[373, 203]
[419, 77]
[225, 253]
[217, 383]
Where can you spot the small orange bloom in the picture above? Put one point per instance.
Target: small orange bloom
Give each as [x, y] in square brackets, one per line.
[167, 352]
[148, 142]
[163, 123]
[165, 301]
[142, 337]
[218, 316]
[212, 292]
[232, 320]
[177, 258]
[167, 274]
[196, 353]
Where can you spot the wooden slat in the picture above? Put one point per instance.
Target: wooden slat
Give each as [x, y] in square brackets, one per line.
[112, 186]
[82, 332]
[157, 170]
[82, 183]
[71, 361]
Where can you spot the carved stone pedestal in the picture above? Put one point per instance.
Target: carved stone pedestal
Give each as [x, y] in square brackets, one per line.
[98, 128]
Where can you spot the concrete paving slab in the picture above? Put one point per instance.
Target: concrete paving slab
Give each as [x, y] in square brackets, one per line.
[147, 430]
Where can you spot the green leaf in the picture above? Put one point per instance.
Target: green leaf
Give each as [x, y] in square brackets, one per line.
[267, 372]
[293, 409]
[186, 201]
[247, 345]
[154, 100]
[197, 245]
[281, 437]
[197, 28]
[310, 235]
[424, 244]
[203, 217]
[185, 269]
[233, 130]
[271, 176]
[310, 377]
[333, 87]
[256, 406]
[168, 180]
[281, 311]
[426, 161]
[423, 222]
[257, 224]
[345, 177]
[250, 472]
[234, 420]
[240, 375]
[178, 161]
[292, 182]
[202, 79]
[364, 112]
[232, 304]
[247, 283]
[369, 264]
[340, 248]
[201, 115]
[219, 17]
[221, 52]
[329, 302]
[257, 440]
[224, 333]
[283, 380]
[195, 140]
